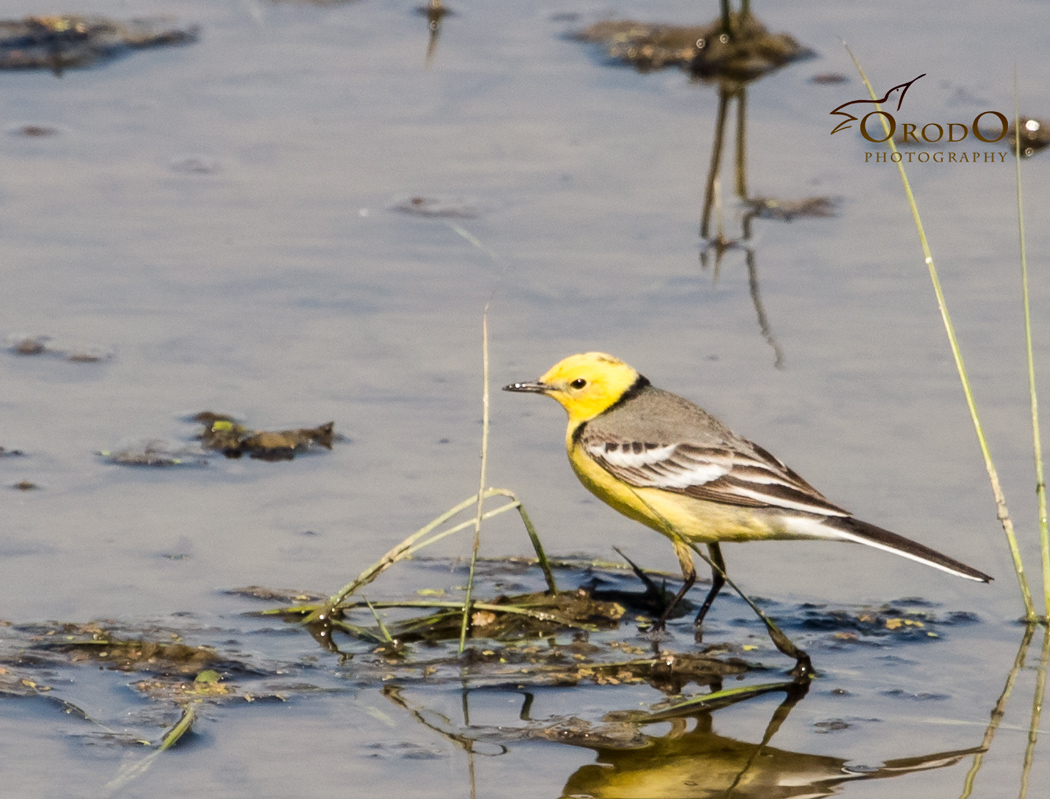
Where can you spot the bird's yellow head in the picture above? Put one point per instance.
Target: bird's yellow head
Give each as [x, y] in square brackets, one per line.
[584, 384]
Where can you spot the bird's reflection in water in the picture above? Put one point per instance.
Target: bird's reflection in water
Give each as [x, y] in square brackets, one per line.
[700, 763]
[690, 761]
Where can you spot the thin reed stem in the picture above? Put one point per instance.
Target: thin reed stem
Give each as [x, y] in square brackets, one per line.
[993, 474]
[465, 624]
[405, 549]
[1040, 482]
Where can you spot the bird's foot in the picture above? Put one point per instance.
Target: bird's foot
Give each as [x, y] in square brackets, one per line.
[656, 634]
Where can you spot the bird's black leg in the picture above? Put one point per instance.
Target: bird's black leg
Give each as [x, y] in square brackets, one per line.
[803, 670]
[718, 579]
[685, 560]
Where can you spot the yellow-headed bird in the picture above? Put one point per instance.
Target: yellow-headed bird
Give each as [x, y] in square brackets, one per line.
[667, 463]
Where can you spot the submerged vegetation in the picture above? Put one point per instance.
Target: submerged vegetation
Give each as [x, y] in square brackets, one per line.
[168, 678]
[223, 434]
[534, 639]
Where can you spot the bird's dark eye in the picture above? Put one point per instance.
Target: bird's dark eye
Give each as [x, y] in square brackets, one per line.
[578, 383]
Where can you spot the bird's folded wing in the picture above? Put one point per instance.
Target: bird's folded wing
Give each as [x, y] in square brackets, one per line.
[717, 474]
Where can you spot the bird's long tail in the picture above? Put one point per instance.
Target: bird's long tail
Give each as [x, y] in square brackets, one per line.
[869, 534]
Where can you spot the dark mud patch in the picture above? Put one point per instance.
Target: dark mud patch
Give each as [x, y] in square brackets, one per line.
[60, 42]
[740, 48]
[20, 344]
[438, 207]
[1035, 136]
[223, 434]
[788, 210]
[33, 131]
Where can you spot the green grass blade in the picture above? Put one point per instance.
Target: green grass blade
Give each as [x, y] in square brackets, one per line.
[171, 737]
[993, 474]
[713, 701]
[1040, 482]
[412, 544]
[387, 638]
[541, 555]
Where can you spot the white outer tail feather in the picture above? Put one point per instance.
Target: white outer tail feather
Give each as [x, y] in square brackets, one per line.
[817, 529]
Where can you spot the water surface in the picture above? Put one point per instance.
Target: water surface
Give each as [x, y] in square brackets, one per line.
[219, 217]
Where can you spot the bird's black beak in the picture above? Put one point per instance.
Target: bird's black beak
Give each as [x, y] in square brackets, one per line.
[535, 387]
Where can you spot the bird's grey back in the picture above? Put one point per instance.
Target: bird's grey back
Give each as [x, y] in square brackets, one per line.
[656, 416]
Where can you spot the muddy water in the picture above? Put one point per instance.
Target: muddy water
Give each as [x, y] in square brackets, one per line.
[219, 221]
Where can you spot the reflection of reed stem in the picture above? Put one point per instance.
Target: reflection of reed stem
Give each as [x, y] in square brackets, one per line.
[1037, 712]
[741, 143]
[435, 10]
[763, 322]
[794, 694]
[716, 160]
[727, 22]
[465, 704]
[720, 222]
[998, 711]
[433, 720]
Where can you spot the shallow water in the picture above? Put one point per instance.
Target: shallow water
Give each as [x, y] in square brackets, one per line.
[219, 217]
